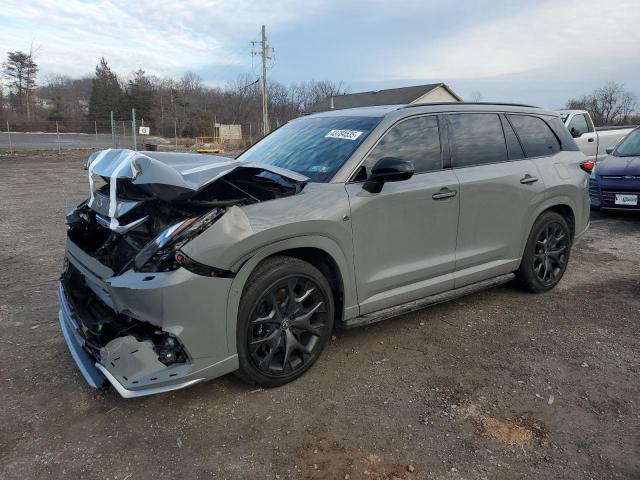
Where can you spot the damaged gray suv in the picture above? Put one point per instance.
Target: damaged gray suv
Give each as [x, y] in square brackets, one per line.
[181, 268]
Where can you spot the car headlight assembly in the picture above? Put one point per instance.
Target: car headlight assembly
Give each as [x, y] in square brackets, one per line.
[162, 254]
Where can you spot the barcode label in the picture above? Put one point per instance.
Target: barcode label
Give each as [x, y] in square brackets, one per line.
[344, 134]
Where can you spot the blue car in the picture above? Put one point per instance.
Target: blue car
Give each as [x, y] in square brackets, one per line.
[615, 182]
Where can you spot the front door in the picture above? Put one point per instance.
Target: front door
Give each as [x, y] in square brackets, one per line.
[405, 236]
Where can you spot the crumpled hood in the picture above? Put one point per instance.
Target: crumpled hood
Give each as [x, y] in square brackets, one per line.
[169, 175]
[619, 166]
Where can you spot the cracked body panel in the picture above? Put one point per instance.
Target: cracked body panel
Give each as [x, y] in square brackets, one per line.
[125, 312]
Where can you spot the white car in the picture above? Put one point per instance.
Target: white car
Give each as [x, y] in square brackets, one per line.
[593, 141]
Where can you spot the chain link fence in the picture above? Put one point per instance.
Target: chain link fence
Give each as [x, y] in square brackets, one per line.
[85, 134]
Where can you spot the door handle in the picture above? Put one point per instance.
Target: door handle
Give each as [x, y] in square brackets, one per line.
[590, 139]
[528, 179]
[444, 193]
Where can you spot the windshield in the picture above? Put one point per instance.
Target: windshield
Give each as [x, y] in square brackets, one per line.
[629, 146]
[314, 146]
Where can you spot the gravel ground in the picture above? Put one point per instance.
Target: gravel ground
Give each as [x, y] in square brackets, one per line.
[498, 385]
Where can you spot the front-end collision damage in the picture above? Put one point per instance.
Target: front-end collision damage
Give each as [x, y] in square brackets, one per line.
[152, 203]
[127, 278]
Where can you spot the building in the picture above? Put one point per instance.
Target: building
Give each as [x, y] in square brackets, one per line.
[434, 92]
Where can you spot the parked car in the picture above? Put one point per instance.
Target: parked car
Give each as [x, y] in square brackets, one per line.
[593, 141]
[615, 182]
[183, 267]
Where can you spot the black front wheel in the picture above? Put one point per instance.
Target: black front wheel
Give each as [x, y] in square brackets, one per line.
[547, 253]
[285, 321]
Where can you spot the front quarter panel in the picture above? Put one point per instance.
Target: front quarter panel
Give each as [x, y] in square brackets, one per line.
[318, 217]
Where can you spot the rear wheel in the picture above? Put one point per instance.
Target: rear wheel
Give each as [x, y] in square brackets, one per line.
[285, 321]
[547, 253]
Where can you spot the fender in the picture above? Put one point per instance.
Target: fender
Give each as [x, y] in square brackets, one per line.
[323, 243]
[548, 203]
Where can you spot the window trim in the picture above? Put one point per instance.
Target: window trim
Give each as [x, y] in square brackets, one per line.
[504, 138]
[507, 114]
[441, 138]
[503, 120]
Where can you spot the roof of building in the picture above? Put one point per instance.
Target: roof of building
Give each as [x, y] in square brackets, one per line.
[390, 96]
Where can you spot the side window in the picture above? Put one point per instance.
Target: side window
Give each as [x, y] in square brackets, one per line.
[560, 129]
[578, 125]
[416, 140]
[476, 139]
[537, 138]
[514, 150]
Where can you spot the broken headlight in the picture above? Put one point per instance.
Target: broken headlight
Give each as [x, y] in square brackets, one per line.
[159, 255]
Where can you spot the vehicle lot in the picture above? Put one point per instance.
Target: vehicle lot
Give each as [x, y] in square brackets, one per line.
[501, 384]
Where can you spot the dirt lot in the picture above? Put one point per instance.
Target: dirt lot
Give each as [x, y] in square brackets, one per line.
[501, 384]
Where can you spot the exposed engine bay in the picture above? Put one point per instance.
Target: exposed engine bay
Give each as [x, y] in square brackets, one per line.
[144, 209]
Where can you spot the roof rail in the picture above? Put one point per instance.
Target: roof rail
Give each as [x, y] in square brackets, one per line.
[411, 105]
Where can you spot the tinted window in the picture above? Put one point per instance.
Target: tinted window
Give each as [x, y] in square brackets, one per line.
[416, 140]
[536, 136]
[514, 150]
[314, 146]
[566, 140]
[578, 125]
[629, 146]
[476, 139]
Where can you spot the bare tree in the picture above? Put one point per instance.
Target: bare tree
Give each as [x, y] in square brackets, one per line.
[608, 105]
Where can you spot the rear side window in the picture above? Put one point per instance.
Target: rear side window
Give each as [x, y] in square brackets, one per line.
[476, 139]
[537, 138]
[416, 140]
[514, 150]
[566, 140]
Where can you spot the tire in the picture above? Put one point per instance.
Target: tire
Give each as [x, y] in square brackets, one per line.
[279, 339]
[546, 254]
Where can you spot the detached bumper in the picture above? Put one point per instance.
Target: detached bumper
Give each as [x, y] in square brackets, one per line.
[94, 373]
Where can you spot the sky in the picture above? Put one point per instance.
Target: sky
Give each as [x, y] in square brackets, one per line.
[538, 52]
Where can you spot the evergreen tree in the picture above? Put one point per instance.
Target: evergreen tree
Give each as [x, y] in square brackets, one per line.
[140, 95]
[20, 69]
[106, 94]
[58, 110]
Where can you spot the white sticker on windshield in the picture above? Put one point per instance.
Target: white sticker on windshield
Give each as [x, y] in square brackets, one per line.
[344, 134]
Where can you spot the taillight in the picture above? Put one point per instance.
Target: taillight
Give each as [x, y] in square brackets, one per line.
[588, 166]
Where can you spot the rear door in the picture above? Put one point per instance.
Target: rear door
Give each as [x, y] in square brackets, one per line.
[499, 191]
[404, 237]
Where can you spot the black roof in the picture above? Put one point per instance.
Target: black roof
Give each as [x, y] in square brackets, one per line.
[390, 96]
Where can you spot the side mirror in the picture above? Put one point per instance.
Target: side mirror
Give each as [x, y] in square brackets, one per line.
[575, 133]
[388, 169]
[609, 150]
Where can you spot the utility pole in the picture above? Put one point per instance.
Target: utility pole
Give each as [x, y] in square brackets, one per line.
[266, 52]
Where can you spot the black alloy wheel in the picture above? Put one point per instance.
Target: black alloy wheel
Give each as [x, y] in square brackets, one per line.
[287, 326]
[285, 321]
[546, 254]
[550, 257]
